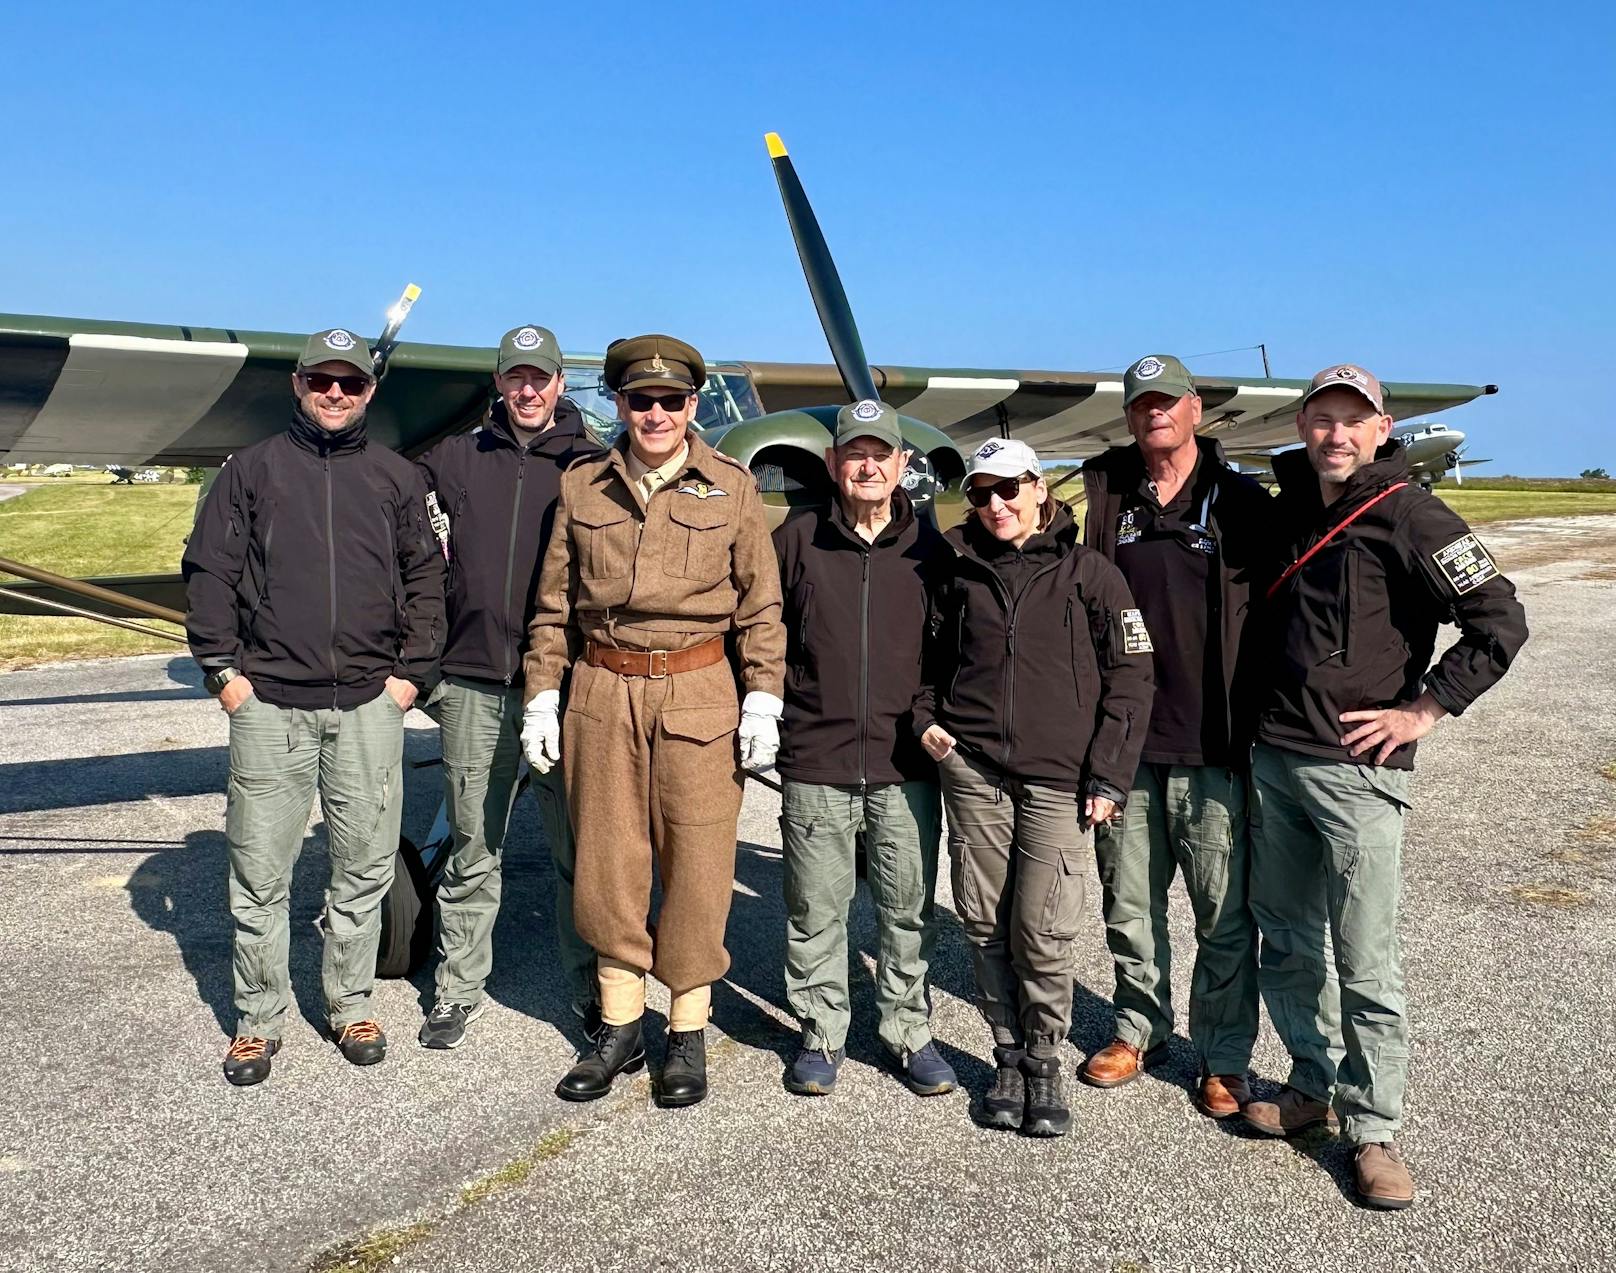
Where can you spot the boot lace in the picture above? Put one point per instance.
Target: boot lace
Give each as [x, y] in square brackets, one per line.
[361, 1032]
[247, 1049]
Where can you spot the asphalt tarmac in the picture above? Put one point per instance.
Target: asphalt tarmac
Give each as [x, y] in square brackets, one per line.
[121, 1147]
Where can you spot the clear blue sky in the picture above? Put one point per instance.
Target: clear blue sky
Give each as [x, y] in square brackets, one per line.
[1426, 189]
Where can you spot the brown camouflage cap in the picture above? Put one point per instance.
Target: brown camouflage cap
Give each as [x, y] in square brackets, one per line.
[1345, 375]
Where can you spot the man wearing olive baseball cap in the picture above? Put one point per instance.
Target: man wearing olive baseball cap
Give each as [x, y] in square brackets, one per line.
[492, 497]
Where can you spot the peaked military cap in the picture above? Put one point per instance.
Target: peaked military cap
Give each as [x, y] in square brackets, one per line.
[529, 346]
[640, 361]
[1156, 373]
[337, 344]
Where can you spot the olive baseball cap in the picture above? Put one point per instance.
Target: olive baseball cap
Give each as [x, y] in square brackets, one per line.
[640, 361]
[529, 346]
[1156, 373]
[337, 344]
[1346, 375]
[868, 418]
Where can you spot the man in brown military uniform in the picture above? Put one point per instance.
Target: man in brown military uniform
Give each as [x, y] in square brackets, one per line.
[660, 549]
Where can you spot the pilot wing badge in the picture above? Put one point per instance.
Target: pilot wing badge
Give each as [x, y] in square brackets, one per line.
[701, 490]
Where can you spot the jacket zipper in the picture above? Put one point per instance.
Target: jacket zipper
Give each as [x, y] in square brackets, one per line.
[510, 559]
[864, 663]
[331, 570]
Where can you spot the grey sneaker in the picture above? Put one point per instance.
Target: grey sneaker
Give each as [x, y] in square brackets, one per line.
[445, 1026]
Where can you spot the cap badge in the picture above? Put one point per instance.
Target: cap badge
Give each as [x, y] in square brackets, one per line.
[339, 339]
[1149, 368]
[866, 410]
[989, 448]
[1344, 373]
[657, 365]
[527, 338]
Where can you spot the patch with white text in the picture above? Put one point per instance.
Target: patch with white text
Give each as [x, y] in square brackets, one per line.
[1135, 636]
[1128, 529]
[701, 491]
[439, 520]
[1465, 564]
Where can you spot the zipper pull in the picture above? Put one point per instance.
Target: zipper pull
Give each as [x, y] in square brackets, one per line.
[1010, 638]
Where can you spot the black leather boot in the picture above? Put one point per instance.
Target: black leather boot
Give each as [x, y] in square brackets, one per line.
[1046, 1113]
[684, 1071]
[618, 1050]
[1004, 1102]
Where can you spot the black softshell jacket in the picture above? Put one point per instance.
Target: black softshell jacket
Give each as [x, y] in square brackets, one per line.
[1356, 626]
[1240, 517]
[494, 500]
[855, 620]
[312, 570]
[1051, 685]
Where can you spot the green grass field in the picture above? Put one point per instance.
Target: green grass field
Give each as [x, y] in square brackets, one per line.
[83, 528]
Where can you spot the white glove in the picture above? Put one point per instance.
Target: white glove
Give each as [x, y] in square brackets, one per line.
[760, 730]
[541, 730]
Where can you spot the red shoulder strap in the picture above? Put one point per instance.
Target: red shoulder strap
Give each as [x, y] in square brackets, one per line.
[1334, 531]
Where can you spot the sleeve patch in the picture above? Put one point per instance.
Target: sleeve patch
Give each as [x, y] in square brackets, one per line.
[1135, 636]
[440, 522]
[1465, 564]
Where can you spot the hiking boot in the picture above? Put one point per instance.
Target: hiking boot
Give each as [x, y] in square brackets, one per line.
[1288, 1113]
[1045, 1113]
[589, 1014]
[1222, 1095]
[362, 1042]
[445, 1026]
[924, 1072]
[1382, 1179]
[1004, 1103]
[684, 1069]
[813, 1073]
[618, 1049]
[1119, 1062]
[247, 1061]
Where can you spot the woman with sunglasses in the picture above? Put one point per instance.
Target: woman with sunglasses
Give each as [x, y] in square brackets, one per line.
[1035, 704]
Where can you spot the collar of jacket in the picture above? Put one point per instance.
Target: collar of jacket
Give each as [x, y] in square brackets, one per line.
[311, 437]
[1123, 467]
[975, 542]
[702, 460]
[901, 521]
[1299, 480]
[559, 439]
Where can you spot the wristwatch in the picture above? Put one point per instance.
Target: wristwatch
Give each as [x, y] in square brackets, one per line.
[213, 682]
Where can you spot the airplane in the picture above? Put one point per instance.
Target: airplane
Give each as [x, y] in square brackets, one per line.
[1434, 450]
[137, 395]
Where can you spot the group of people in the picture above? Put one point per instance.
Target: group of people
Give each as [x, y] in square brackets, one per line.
[1174, 672]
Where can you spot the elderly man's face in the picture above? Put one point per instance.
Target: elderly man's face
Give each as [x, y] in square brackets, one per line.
[657, 417]
[1342, 431]
[333, 394]
[530, 395]
[1161, 423]
[865, 470]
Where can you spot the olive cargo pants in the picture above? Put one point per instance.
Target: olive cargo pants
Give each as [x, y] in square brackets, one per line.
[1326, 872]
[652, 779]
[279, 757]
[481, 725]
[1189, 818]
[819, 824]
[1019, 856]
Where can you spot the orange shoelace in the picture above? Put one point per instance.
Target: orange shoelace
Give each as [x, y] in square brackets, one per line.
[361, 1032]
[246, 1049]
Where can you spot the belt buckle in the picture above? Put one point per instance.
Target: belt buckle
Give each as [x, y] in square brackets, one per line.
[651, 673]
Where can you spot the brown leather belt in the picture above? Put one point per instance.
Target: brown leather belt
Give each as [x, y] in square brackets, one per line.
[655, 664]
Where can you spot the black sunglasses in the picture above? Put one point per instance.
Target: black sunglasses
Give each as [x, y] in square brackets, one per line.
[1006, 489]
[669, 402]
[320, 382]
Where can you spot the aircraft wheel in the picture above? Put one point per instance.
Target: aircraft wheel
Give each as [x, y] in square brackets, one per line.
[407, 916]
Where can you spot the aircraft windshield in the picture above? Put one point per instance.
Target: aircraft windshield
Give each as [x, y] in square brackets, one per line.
[728, 397]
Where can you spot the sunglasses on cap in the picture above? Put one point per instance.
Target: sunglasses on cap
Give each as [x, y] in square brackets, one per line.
[1006, 489]
[321, 382]
[669, 402]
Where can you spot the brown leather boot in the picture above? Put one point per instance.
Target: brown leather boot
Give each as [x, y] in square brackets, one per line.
[1118, 1062]
[1222, 1095]
[1383, 1180]
[1288, 1113]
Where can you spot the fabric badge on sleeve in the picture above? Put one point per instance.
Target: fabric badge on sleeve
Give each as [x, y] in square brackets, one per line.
[1135, 636]
[1465, 564]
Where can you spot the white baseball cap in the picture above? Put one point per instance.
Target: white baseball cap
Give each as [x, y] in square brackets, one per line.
[1002, 457]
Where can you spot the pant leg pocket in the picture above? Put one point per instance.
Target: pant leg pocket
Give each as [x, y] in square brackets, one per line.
[1063, 907]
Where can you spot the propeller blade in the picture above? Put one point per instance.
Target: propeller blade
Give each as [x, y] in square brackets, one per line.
[824, 284]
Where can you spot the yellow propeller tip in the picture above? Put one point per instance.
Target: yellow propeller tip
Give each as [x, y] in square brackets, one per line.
[412, 292]
[777, 148]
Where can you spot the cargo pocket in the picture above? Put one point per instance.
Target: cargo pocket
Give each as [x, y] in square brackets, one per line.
[606, 536]
[1063, 908]
[697, 778]
[698, 540]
